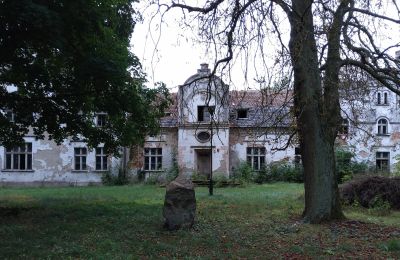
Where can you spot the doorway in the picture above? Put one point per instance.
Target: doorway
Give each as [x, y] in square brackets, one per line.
[203, 162]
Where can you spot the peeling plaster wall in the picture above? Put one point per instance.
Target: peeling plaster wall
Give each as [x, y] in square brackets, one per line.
[167, 140]
[241, 138]
[188, 144]
[54, 164]
[363, 139]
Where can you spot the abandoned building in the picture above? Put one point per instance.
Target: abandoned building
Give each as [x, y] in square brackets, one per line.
[209, 126]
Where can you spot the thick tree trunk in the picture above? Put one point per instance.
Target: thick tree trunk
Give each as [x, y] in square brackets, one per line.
[315, 127]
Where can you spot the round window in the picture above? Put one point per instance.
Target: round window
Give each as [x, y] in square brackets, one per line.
[203, 136]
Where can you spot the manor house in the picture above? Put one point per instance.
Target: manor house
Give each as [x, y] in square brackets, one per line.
[210, 127]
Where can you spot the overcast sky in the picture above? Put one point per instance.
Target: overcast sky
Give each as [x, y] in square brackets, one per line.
[168, 54]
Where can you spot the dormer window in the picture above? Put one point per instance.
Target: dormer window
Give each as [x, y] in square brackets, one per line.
[101, 120]
[242, 113]
[382, 127]
[204, 113]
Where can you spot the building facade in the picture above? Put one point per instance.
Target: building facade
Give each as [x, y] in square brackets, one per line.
[212, 128]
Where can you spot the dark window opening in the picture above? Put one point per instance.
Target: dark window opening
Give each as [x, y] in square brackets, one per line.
[344, 127]
[382, 161]
[242, 113]
[204, 113]
[101, 120]
[297, 155]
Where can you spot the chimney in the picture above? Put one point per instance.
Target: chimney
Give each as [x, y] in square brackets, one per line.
[204, 70]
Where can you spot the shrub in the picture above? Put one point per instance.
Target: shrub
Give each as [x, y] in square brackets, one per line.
[372, 192]
[152, 179]
[346, 168]
[243, 173]
[110, 179]
[280, 171]
[172, 172]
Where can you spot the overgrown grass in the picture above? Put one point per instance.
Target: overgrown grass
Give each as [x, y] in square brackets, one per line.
[126, 222]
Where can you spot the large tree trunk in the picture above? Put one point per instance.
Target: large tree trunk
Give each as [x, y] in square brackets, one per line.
[315, 127]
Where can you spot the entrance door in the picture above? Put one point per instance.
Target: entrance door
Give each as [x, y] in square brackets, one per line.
[203, 162]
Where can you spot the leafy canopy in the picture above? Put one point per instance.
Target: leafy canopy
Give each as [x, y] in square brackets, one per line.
[68, 60]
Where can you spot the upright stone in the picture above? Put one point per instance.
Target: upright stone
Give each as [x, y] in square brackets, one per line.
[180, 204]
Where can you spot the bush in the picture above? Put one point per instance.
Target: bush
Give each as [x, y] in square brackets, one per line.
[243, 173]
[280, 171]
[110, 179]
[372, 192]
[172, 172]
[345, 167]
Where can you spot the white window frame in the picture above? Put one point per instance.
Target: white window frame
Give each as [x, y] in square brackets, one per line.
[20, 157]
[383, 126]
[80, 159]
[255, 157]
[153, 159]
[101, 159]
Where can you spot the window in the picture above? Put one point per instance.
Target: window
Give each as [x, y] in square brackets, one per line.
[344, 127]
[204, 113]
[101, 159]
[385, 98]
[101, 120]
[203, 136]
[382, 161]
[19, 158]
[297, 155]
[382, 127]
[241, 113]
[256, 157]
[152, 159]
[10, 115]
[80, 159]
[382, 98]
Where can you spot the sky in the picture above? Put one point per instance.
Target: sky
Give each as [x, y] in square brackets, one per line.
[169, 54]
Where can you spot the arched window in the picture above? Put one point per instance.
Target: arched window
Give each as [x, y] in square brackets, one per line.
[382, 126]
[379, 98]
[385, 98]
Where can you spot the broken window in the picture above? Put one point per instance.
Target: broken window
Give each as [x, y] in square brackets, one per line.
[256, 157]
[242, 113]
[382, 127]
[204, 113]
[19, 158]
[382, 161]
[80, 154]
[152, 159]
[101, 159]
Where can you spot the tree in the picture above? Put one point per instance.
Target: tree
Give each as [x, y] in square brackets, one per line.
[327, 38]
[63, 61]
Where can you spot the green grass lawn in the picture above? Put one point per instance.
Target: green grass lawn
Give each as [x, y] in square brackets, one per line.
[126, 222]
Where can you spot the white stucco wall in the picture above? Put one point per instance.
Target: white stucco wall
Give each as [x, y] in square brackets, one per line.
[54, 164]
